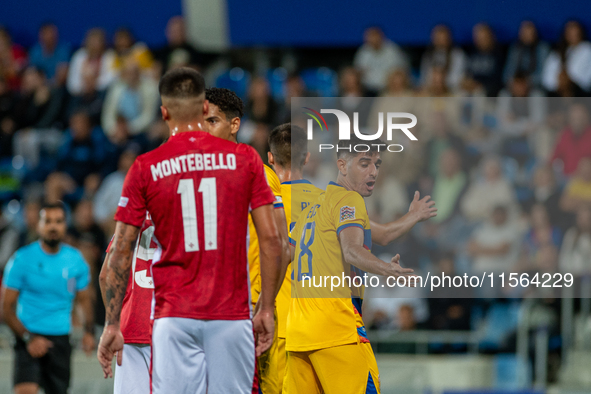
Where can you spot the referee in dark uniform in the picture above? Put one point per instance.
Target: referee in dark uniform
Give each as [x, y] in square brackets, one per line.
[41, 282]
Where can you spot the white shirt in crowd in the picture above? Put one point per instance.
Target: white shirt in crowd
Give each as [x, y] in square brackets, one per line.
[377, 64]
[578, 67]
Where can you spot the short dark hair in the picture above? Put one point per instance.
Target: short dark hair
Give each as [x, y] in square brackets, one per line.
[227, 101]
[53, 205]
[182, 82]
[344, 145]
[288, 141]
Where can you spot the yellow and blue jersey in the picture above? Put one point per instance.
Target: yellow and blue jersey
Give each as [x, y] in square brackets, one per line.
[296, 195]
[254, 264]
[319, 318]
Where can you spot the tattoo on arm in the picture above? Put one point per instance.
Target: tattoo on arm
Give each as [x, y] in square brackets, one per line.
[119, 260]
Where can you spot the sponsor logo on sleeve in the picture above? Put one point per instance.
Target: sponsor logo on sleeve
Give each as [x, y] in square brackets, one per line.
[123, 201]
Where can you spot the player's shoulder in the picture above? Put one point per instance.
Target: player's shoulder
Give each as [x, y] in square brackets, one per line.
[70, 251]
[337, 193]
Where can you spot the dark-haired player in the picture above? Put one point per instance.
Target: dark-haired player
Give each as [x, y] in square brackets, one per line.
[223, 120]
[198, 190]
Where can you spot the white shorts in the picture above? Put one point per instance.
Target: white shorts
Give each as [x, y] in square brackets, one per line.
[133, 376]
[202, 356]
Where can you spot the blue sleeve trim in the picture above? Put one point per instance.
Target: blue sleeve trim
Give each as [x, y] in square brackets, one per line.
[344, 226]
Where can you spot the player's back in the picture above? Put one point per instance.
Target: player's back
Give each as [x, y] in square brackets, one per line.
[296, 195]
[318, 317]
[198, 189]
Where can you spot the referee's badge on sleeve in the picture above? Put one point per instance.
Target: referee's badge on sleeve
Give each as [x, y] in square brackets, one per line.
[347, 213]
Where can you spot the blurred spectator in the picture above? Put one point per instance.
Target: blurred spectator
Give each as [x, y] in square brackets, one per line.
[546, 192]
[449, 186]
[294, 87]
[542, 234]
[177, 52]
[80, 161]
[389, 202]
[260, 139]
[93, 58]
[8, 240]
[260, 106]
[442, 139]
[39, 105]
[521, 110]
[132, 98]
[572, 56]
[399, 86]
[13, 59]
[50, 55]
[31, 217]
[574, 142]
[85, 226]
[447, 311]
[444, 55]
[436, 84]
[376, 58]
[126, 47]
[576, 247]
[490, 191]
[494, 246]
[108, 194]
[527, 55]
[7, 124]
[485, 63]
[578, 189]
[90, 99]
[351, 96]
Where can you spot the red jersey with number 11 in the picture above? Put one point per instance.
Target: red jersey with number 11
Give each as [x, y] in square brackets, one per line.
[198, 190]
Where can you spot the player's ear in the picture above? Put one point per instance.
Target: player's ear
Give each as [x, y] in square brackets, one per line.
[342, 166]
[165, 114]
[271, 158]
[205, 107]
[234, 125]
[307, 159]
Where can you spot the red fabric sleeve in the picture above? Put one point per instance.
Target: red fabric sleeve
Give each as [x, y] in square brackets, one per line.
[132, 204]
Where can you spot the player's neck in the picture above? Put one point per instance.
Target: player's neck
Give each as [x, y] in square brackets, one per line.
[341, 180]
[284, 174]
[182, 127]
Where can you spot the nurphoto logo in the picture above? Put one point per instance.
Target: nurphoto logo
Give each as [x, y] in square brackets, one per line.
[392, 124]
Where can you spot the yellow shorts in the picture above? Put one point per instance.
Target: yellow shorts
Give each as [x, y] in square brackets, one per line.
[271, 366]
[346, 369]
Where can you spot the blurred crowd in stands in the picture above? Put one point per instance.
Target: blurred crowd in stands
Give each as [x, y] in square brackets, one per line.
[509, 164]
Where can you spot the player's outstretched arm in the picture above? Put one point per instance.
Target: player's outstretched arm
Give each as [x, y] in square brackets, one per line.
[271, 261]
[351, 239]
[419, 211]
[119, 263]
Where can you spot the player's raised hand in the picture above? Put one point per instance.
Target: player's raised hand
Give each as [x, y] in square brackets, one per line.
[111, 343]
[423, 208]
[264, 327]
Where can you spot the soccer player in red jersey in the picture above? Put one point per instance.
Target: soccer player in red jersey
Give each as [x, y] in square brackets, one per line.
[198, 190]
[133, 375]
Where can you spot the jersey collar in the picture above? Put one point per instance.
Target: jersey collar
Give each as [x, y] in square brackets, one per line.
[296, 182]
